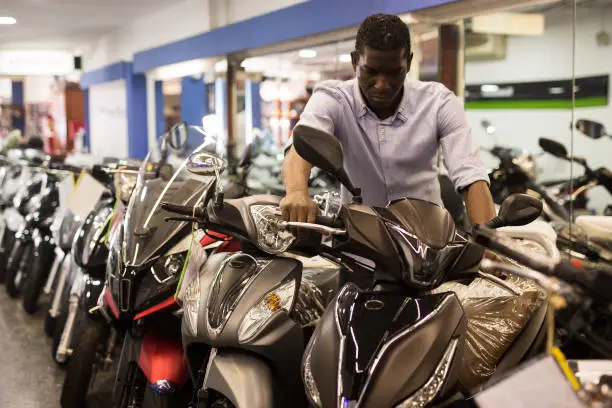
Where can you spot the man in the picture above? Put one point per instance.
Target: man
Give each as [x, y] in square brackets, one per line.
[390, 128]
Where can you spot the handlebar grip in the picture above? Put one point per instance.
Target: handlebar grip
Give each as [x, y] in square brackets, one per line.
[598, 284]
[184, 210]
[328, 221]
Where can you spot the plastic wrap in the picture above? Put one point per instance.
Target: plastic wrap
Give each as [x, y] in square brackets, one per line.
[497, 307]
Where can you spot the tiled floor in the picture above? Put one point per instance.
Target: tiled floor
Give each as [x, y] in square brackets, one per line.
[28, 376]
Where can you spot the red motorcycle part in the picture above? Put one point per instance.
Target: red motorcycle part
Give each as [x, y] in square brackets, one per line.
[162, 358]
[166, 303]
[111, 304]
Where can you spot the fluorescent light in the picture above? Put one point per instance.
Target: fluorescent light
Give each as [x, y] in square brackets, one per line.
[556, 90]
[345, 58]
[5, 20]
[489, 88]
[307, 53]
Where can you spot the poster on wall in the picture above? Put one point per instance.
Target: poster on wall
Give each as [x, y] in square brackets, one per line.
[108, 119]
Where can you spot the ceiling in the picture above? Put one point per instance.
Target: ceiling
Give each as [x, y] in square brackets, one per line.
[67, 24]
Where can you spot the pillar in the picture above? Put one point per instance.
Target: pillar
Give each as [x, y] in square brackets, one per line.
[18, 115]
[160, 121]
[86, 140]
[252, 106]
[193, 106]
[136, 89]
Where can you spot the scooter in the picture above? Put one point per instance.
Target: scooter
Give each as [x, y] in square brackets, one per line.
[145, 261]
[250, 312]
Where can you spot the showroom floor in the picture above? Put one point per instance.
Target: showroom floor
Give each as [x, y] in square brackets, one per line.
[28, 376]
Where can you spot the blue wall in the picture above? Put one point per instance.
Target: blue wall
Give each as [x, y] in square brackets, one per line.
[17, 99]
[136, 88]
[193, 106]
[160, 121]
[252, 107]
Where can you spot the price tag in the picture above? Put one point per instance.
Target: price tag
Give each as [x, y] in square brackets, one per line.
[539, 383]
[86, 195]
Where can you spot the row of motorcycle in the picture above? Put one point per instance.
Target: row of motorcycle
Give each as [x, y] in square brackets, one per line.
[215, 301]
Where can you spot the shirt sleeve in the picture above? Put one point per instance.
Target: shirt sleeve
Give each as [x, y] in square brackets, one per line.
[321, 112]
[460, 150]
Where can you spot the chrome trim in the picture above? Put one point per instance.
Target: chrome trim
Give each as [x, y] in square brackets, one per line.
[407, 331]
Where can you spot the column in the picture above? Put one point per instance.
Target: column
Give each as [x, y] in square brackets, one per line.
[86, 140]
[18, 110]
[221, 106]
[160, 121]
[193, 106]
[252, 102]
[136, 89]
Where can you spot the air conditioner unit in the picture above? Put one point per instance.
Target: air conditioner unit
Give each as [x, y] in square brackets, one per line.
[485, 47]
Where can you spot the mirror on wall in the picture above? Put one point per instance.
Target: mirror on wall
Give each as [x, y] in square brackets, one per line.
[518, 82]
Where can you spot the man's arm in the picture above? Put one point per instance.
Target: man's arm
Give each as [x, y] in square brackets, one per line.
[461, 154]
[479, 202]
[320, 111]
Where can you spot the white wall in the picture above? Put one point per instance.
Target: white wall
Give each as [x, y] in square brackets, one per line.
[108, 119]
[181, 20]
[549, 57]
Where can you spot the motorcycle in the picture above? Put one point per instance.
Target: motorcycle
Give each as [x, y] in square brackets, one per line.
[146, 257]
[251, 311]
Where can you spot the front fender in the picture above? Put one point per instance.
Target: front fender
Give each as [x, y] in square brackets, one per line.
[244, 379]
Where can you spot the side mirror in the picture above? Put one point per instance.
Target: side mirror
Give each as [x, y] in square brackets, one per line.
[517, 209]
[177, 135]
[324, 151]
[205, 164]
[553, 147]
[247, 157]
[592, 129]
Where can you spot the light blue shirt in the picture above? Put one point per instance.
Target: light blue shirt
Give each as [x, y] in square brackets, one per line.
[396, 157]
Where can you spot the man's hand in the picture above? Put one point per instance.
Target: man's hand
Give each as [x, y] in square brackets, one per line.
[297, 206]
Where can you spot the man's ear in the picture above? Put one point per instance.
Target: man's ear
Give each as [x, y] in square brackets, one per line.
[409, 62]
[355, 60]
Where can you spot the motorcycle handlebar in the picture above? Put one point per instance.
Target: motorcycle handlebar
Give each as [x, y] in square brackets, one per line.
[185, 210]
[596, 284]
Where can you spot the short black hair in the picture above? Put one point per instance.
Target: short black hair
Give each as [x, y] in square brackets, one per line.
[383, 32]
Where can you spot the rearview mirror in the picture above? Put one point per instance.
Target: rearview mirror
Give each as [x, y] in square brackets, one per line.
[324, 151]
[592, 129]
[177, 135]
[517, 209]
[205, 164]
[553, 147]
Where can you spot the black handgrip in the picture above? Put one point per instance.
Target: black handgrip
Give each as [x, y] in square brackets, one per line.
[597, 284]
[187, 210]
[328, 221]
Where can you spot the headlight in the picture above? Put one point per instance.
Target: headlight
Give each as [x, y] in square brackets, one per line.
[275, 301]
[124, 185]
[159, 280]
[113, 266]
[270, 237]
[527, 164]
[432, 387]
[309, 382]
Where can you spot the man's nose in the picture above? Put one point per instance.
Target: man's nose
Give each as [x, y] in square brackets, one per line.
[381, 84]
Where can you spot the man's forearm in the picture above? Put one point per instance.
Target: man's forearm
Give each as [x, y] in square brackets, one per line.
[479, 202]
[295, 172]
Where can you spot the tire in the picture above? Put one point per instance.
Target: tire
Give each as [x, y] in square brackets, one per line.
[81, 365]
[50, 323]
[36, 279]
[9, 242]
[19, 255]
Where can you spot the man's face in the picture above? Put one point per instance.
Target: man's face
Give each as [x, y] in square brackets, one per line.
[381, 75]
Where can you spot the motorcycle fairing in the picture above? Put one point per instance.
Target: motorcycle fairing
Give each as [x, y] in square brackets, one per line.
[377, 348]
[161, 358]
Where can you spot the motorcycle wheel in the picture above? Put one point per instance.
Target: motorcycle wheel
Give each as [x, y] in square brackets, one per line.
[81, 365]
[18, 262]
[36, 279]
[7, 244]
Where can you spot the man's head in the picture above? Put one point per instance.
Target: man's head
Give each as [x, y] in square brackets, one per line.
[381, 59]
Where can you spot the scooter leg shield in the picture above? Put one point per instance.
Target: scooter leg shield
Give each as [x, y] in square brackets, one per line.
[244, 379]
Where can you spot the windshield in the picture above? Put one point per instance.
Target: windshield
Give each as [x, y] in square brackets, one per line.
[147, 230]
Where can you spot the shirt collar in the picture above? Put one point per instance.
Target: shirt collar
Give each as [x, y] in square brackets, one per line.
[402, 109]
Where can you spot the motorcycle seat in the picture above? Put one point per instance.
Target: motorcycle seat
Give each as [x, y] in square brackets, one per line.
[596, 227]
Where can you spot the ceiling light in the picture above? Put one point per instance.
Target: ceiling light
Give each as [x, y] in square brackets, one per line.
[489, 88]
[5, 20]
[345, 58]
[307, 53]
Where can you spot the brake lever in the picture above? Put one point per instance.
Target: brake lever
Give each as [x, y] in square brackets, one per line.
[186, 219]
